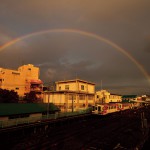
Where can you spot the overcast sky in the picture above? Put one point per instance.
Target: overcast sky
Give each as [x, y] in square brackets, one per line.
[67, 55]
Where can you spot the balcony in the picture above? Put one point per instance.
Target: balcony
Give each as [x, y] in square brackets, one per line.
[36, 85]
[36, 89]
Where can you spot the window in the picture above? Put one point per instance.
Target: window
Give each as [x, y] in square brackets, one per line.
[59, 87]
[82, 97]
[89, 105]
[90, 97]
[29, 68]
[99, 108]
[17, 88]
[66, 87]
[16, 73]
[82, 87]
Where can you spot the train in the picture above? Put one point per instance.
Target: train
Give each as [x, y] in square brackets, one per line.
[107, 108]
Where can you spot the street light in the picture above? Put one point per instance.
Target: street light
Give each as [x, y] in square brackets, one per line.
[48, 107]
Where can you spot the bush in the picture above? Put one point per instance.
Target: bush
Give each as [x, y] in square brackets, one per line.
[31, 97]
[8, 96]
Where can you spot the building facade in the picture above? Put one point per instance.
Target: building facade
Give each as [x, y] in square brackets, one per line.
[104, 96]
[72, 95]
[22, 81]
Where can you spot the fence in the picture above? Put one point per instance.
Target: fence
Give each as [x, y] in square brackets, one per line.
[28, 120]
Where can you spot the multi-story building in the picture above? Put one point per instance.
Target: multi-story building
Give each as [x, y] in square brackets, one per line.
[23, 80]
[104, 96]
[115, 98]
[72, 94]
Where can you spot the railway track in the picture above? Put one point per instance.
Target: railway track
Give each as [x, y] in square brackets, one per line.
[109, 132]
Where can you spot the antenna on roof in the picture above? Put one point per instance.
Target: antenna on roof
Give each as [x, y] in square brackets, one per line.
[101, 84]
[76, 76]
[22, 62]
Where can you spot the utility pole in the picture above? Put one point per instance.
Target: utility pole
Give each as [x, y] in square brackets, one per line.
[72, 103]
[49, 89]
[48, 107]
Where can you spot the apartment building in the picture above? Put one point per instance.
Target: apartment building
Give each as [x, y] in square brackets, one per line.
[23, 80]
[72, 95]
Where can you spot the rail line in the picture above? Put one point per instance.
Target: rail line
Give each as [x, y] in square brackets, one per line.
[89, 133]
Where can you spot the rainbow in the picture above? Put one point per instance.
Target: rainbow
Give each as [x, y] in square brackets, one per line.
[84, 33]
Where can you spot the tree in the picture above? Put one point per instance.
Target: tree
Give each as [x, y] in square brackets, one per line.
[31, 97]
[8, 96]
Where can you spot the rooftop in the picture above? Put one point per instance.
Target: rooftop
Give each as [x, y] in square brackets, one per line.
[27, 108]
[75, 80]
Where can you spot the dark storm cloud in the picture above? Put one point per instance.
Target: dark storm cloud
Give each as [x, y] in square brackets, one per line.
[147, 44]
[68, 55]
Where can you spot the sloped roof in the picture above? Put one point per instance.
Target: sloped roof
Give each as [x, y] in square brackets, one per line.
[27, 108]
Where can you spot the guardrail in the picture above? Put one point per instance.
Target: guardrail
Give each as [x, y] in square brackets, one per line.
[28, 120]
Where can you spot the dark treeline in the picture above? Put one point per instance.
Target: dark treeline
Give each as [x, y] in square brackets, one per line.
[10, 96]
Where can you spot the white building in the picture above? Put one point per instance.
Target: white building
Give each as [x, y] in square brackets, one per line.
[72, 95]
[104, 96]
